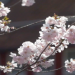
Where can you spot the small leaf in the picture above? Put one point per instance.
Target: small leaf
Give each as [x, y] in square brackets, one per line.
[6, 18]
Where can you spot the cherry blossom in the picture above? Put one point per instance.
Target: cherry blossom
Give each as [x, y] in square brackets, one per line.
[50, 35]
[4, 25]
[70, 66]
[70, 34]
[9, 67]
[28, 2]
[40, 45]
[61, 21]
[29, 49]
[54, 36]
[48, 63]
[29, 52]
[5, 28]
[37, 69]
[45, 27]
[1, 25]
[50, 20]
[3, 10]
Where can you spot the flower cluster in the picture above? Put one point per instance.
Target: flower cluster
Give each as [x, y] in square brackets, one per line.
[4, 25]
[53, 31]
[54, 37]
[47, 44]
[9, 67]
[27, 55]
[70, 34]
[5, 21]
[70, 66]
[27, 52]
[3, 10]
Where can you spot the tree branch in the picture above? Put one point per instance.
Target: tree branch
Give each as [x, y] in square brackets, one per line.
[23, 27]
[15, 4]
[42, 53]
[49, 70]
[38, 59]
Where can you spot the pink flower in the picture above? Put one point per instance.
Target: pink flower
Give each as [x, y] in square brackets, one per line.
[45, 27]
[28, 2]
[49, 51]
[61, 32]
[4, 10]
[49, 36]
[12, 54]
[19, 60]
[70, 66]
[28, 51]
[5, 28]
[47, 64]
[61, 21]
[40, 45]
[1, 25]
[50, 20]
[70, 35]
[37, 69]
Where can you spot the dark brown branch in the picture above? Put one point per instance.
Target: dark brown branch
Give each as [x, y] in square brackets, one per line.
[53, 52]
[33, 63]
[42, 53]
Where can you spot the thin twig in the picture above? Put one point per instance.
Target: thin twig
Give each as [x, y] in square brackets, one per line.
[22, 27]
[52, 53]
[15, 4]
[17, 69]
[39, 57]
[32, 24]
[21, 70]
[49, 70]
[56, 69]
[42, 53]
[33, 63]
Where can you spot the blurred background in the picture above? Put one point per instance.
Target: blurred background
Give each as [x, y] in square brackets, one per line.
[21, 16]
